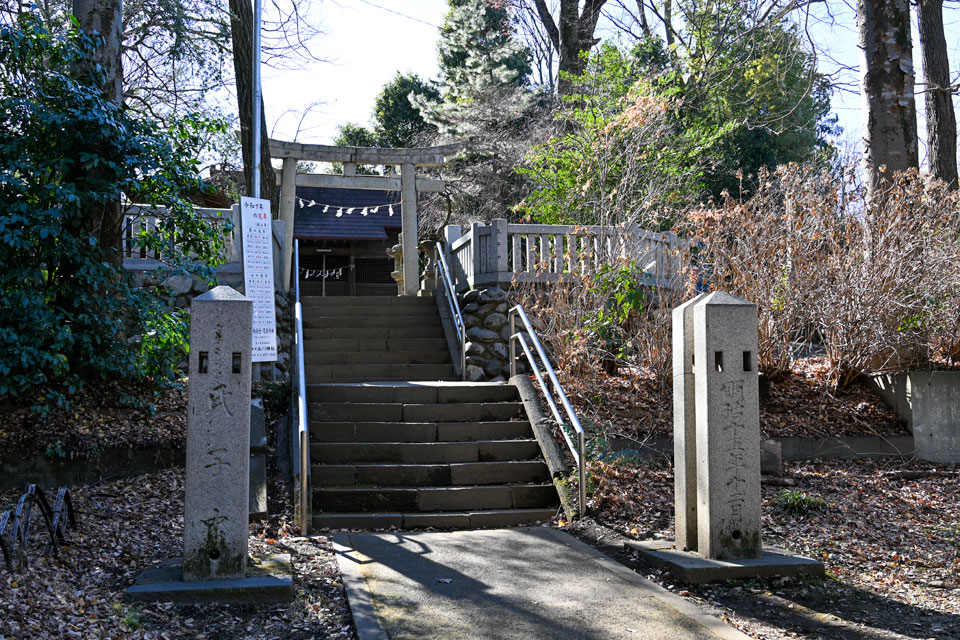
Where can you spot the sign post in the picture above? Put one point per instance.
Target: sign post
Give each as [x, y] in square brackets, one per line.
[258, 276]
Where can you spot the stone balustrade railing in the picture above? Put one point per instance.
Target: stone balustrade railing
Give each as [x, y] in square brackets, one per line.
[137, 218]
[502, 253]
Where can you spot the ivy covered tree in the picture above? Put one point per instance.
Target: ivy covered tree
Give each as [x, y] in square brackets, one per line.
[67, 306]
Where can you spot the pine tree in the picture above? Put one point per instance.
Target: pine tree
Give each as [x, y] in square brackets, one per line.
[485, 106]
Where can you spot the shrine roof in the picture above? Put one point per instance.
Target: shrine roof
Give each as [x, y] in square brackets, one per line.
[311, 223]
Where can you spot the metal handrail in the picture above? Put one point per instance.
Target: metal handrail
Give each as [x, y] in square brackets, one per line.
[578, 450]
[303, 433]
[451, 295]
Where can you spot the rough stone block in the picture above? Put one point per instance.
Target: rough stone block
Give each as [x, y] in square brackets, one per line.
[492, 368]
[475, 349]
[492, 294]
[771, 458]
[179, 284]
[481, 335]
[258, 427]
[500, 350]
[494, 321]
[258, 486]
[474, 373]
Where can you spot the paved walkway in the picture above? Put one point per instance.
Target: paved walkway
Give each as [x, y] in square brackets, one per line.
[506, 583]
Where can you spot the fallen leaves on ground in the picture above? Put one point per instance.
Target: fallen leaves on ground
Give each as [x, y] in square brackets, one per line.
[129, 525]
[888, 533]
[102, 416]
[637, 405]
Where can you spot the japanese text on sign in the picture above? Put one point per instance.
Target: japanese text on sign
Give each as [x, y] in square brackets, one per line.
[258, 276]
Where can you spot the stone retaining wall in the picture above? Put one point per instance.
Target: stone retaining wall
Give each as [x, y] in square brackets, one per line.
[488, 334]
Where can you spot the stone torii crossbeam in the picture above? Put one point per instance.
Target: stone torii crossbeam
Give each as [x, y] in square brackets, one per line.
[408, 184]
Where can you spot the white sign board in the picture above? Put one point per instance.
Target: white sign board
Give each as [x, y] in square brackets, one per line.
[258, 275]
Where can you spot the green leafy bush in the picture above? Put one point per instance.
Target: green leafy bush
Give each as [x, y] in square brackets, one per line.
[798, 502]
[620, 287]
[68, 156]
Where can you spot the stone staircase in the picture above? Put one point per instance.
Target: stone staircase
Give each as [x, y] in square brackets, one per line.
[395, 442]
[360, 339]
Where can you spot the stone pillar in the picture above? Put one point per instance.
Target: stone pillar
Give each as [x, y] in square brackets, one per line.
[288, 198]
[684, 428]
[728, 427]
[500, 247]
[216, 496]
[408, 205]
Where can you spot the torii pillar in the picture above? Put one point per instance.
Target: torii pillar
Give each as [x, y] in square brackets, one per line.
[408, 184]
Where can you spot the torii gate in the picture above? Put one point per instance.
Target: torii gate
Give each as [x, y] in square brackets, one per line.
[408, 184]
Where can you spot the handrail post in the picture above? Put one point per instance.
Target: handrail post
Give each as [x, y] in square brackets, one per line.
[513, 343]
[303, 433]
[581, 445]
[450, 294]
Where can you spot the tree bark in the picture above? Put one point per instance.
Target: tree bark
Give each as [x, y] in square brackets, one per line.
[571, 35]
[887, 79]
[104, 17]
[938, 98]
[241, 31]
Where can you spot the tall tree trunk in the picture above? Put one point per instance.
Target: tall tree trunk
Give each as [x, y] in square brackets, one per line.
[938, 99]
[887, 79]
[571, 34]
[241, 30]
[105, 18]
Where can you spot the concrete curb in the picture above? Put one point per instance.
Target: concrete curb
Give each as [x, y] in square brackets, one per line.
[711, 622]
[358, 596]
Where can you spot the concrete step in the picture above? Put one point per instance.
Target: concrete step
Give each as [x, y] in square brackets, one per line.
[370, 333]
[367, 301]
[427, 499]
[377, 372]
[397, 412]
[424, 452]
[418, 431]
[415, 392]
[351, 311]
[494, 518]
[420, 475]
[377, 357]
[371, 320]
[373, 344]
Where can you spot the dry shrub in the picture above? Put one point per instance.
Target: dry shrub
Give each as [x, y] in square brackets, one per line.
[876, 285]
[610, 338]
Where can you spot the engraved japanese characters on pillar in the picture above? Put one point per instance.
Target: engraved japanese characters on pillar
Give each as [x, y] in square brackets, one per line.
[216, 501]
[727, 427]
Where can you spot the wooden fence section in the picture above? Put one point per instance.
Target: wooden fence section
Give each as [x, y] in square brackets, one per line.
[138, 218]
[502, 252]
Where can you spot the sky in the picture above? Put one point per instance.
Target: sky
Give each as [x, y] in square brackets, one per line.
[366, 42]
